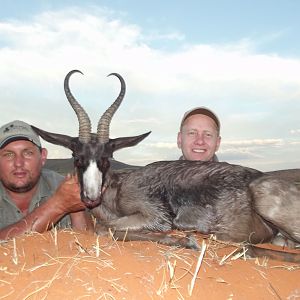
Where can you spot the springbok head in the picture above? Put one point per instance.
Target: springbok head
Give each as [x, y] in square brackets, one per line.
[91, 152]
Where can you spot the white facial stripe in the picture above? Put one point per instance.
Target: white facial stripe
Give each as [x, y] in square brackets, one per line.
[92, 181]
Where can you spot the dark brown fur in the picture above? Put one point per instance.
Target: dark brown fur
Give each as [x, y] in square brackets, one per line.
[232, 202]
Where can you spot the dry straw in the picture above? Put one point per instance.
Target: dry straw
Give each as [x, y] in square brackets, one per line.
[199, 262]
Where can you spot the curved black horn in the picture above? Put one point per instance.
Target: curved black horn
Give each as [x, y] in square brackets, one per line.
[85, 127]
[104, 122]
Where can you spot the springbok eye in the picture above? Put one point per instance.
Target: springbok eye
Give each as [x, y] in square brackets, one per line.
[104, 164]
[78, 162]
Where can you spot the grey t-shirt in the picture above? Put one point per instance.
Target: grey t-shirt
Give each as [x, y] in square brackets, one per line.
[47, 185]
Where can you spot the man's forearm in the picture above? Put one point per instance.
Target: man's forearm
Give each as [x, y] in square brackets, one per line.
[39, 220]
[65, 200]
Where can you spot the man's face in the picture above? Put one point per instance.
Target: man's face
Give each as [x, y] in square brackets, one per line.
[20, 165]
[199, 138]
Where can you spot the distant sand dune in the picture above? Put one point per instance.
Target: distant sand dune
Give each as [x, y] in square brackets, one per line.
[64, 166]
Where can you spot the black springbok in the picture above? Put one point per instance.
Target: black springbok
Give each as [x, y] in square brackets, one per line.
[232, 202]
[91, 152]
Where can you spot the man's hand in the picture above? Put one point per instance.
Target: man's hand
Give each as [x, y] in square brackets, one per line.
[67, 196]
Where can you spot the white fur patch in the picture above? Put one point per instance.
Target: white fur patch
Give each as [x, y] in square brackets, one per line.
[92, 181]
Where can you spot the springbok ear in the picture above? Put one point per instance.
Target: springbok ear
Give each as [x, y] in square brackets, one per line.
[55, 138]
[124, 142]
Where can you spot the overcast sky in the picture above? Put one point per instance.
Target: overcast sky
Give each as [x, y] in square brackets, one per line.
[239, 58]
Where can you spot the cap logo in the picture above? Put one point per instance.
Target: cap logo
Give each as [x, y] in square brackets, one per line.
[7, 129]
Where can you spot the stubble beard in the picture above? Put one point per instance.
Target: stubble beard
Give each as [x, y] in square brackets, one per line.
[26, 187]
[20, 189]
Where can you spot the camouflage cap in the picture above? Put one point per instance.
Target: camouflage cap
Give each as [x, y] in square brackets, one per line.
[18, 130]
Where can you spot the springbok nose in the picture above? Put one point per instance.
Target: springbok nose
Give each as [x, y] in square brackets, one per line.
[91, 203]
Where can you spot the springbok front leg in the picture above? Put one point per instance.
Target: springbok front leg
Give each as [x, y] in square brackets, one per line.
[137, 228]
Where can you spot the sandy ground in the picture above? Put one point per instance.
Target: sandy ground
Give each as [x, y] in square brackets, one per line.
[75, 265]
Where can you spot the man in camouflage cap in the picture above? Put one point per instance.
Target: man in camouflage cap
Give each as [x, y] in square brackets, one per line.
[33, 198]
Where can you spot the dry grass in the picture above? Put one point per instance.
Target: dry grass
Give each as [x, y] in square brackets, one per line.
[97, 267]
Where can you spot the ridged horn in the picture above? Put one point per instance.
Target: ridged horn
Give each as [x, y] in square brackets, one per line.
[104, 122]
[85, 127]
